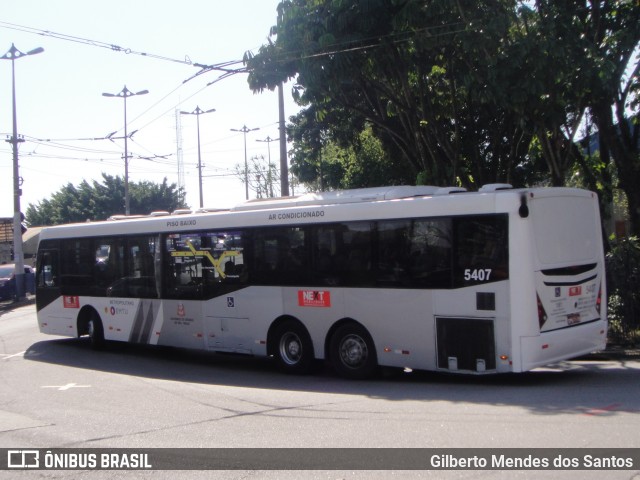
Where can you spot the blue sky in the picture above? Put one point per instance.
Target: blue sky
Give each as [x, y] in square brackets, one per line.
[59, 93]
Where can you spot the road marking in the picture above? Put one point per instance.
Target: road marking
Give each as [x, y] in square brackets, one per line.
[66, 387]
[7, 357]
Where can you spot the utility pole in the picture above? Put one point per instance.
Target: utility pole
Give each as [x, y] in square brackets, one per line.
[284, 166]
[18, 255]
[179, 152]
[124, 94]
[197, 112]
[245, 130]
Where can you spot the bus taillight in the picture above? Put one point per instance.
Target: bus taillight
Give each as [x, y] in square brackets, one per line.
[542, 314]
[599, 300]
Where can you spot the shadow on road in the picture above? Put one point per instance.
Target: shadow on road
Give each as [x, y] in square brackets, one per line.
[561, 388]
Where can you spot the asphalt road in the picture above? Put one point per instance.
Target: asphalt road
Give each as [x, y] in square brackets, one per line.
[58, 393]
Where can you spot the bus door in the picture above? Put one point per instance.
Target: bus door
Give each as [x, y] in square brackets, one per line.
[201, 270]
[184, 277]
[225, 315]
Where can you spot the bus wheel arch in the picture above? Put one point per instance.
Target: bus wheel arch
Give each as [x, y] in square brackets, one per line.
[90, 324]
[289, 342]
[350, 348]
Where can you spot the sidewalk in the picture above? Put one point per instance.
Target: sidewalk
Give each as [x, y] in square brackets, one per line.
[11, 304]
[615, 352]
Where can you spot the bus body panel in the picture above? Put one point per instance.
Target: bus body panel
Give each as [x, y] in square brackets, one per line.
[55, 319]
[569, 275]
[400, 323]
[239, 321]
[123, 319]
[549, 348]
[545, 303]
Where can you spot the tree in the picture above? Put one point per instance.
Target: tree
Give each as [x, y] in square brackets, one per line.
[361, 163]
[263, 177]
[419, 73]
[581, 54]
[612, 38]
[99, 201]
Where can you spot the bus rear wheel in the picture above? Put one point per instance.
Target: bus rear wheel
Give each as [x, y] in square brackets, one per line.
[352, 352]
[293, 348]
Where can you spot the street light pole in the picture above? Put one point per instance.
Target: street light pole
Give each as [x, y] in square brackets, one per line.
[268, 141]
[18, 255]
[284, 167]
[197, 112]
[245, 130]
[124, 94]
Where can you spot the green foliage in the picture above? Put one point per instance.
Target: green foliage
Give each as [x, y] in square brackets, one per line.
[433, 79]
[98, 201]
[263, 177]
[623, 283]
[466, 92]
[360, 163]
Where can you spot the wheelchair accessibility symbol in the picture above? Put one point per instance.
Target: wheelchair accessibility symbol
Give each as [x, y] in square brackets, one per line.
[231, 302]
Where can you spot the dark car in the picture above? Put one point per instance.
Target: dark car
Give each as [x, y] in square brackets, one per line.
[8, 281]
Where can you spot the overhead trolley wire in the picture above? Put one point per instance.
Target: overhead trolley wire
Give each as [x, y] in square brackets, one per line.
[93, 43]
[227, 68]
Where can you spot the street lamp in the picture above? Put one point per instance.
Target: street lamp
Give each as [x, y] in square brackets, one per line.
[197, 112]
[268, 141]
[18, 256]
[124, 94]
[245, 130]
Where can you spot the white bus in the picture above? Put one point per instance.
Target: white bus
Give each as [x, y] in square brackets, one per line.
[500, 280]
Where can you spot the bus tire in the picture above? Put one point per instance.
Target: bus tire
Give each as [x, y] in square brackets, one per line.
[95, 330]
[352, 352]
[293, 348]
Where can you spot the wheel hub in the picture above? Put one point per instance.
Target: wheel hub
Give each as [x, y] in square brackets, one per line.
[353, 351]
[291, 348]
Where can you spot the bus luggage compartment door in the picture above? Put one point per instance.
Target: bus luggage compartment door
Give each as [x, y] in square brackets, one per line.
[466, 344]
[228, 334]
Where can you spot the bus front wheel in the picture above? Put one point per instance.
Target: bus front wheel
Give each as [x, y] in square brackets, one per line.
[352, 352]
[294, 350]
[95, 331]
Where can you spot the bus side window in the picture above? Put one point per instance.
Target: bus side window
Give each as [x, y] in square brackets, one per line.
[279, 256]
[47, 275]
[430, 253]
[76, 266]
[229, 254]
[140, 275]
[292, 256]
[326, 262]
[393, 250]
[183, 269]
[481, 249]
[106, 267]
[357, 265]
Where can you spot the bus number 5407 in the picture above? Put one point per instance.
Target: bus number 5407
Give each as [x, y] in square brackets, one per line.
[477, 274]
